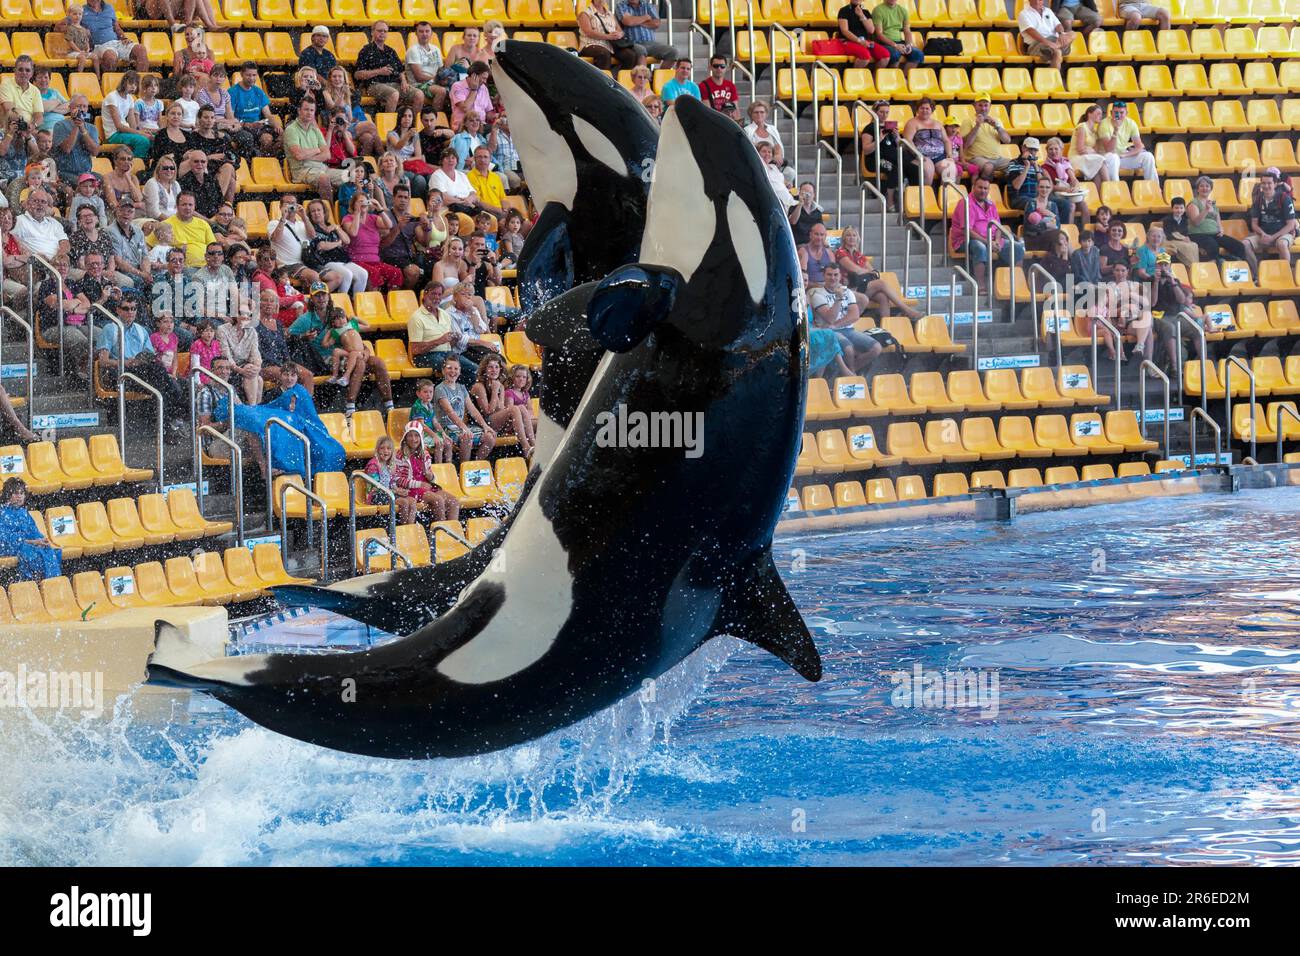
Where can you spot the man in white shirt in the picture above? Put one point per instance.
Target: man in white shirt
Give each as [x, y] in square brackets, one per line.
[1043, 35]
[37, 231]
[837, 307]
[454, 184]
[423, 61]
[287, 236]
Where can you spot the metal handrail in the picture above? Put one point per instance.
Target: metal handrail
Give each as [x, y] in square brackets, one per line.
[455, 536]
[905, 143]
[1229, 362]
[352, 508]
[237, 459]
[731, 27]
[1034, 269]
[1282, 411]
[858, 107]
[121, 418]
[382, 545]
[793, 109]
[823, 146]
[974, 315]
[32, 260]
[1119, 349]
[121, 351]
[912, 227]
[1218, 434]
[818, 67]
[1180, 318]
[990, 269]
[31, 355]
[195, 372]
[943, 210]
[690, 41]
[276, 421]
[864, 188]
[312, 498]
[1142, 400]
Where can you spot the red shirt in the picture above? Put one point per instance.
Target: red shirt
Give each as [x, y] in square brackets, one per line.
[718, 95]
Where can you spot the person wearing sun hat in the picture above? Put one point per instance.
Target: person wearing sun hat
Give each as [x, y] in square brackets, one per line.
[982, 138]
[317, 54]
[1169, 297]
[951, 127]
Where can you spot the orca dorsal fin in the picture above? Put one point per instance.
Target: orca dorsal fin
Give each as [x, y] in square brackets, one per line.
[759, 609]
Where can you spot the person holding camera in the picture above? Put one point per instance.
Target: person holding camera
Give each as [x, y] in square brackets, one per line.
[76, 142]
[309, 154]
[338, 139]
[406, 235]
[16, 142]
[289, 236]
[366, 223]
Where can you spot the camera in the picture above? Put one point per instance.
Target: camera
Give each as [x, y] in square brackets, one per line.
[22, 126]
[84, 116]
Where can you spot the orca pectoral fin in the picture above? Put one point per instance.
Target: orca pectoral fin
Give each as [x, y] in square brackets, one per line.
[629, 302]
[561, 323]
[546, 261]
[760, 610]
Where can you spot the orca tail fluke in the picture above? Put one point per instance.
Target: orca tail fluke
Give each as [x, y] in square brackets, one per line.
[760, 610]
[179, 661]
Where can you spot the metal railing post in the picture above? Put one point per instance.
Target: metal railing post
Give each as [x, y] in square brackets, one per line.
[1142, 400]
[352, 508]
[943, 210]
[276, 422]
[237, 458]
[818, 68]
[857, 141]
[32, 261]
[865, 188]
[1218, 434]
[777, 106]
[929, 263]
[383, 545]
[991, 270]
[312, 498]
[121, 418]
[1180, 318]
[1034, 269]
[903, 144]
[121, 343]
[1282, 411]
[31, 355]
[195, 372]
[839, 180]
[1229, 362]
[1119, 347]
[974, 314]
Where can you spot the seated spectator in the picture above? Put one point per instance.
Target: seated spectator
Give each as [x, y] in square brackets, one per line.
[379, 72]
[680, 85]
[1023, 174]
[87, 195]
[1133, 13]
[928, 136]
[1085, 11]
[468, 51]
[1119, 139]
[165, 343]
[1272, 222]
[470, 138]
[759, 131]
[121, 183]
[1065, 184]
[261, 127]
[429, 330]
[983, 214]
[639, 20]
[217, 282]
[222, 153]
[273, 346]
[74, 304]
[191, 231]
[826, 355]
[601, 39]
[317, 53]
[54, 105]
[15, 262]
[717, 90]
[139, 360]
[1057, 260]
[816, 255]
[454, 185]
[469, 94]
[1123, 303]
[130, 251]
[76, 141]
[1101, 224]
[423, 63]
[510, 239]
[1177, 233]
[775, 176]
[413, 476]
[197, 178]
[459, 416]
[1044, 36]
[1085, 262]
[1041, 219]
[856, 272]
[326, 251]
[882, 158]
[400, 242]
[309, 344]
[1115, 251]
[805, 214]
[38, 231]
[1206, 228]
[308, 154]
[381, 468]
[1170, 297]
[340, 97]
[404, 143]
[836, 307]
[118, 114]
[38, 557]
[856, 37]
[289, 236]
[487, 185]
[20, 96]
[1143, 266]
[87, 238]
[367, 220]
[894, 31]
[229, 229]
[205, 349]
[655, 107]
[162, 190]
[489, 393]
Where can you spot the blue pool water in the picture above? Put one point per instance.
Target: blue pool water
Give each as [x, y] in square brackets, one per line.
[1148, 695]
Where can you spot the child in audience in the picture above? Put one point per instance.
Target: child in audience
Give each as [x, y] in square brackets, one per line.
[483, 224]
[511, 241]
[80, 48]
[164, 342]
[425, 412]
[164, 241]
[413, 474]
[188, 87]
[381, 468]
[148, 108]
[205, 346]
[344, 335]
[1085, 262]
[87, 194]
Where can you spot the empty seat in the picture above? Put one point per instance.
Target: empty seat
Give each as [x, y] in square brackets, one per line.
[834, 456]
[1087, 431]
[1122, 429]
[1052, 432]
[943, 438]
[978, 435]
[184, 509]
[904, 440]
[1016, 432]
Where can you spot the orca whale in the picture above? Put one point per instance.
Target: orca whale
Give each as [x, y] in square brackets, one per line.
[627, 556]
[588, 148]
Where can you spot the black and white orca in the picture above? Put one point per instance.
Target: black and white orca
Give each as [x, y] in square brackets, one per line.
[587, 147]
[624, 559]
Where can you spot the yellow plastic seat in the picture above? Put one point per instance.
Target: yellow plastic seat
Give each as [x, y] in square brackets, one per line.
[210, 573]
[519, 350]
[242, 574]
[446, 547]
[818, 405]
[852, 397]
[818, 498]
[1001, 386]
[269, 563]
[833, 454]
[367, 428]
[1039, 384]
[1122, 429]
[121, 586]
[476, 478]
[1087, 431]
[849, 494]
[58, 600]
[184, 508]
[987, 479]
[863, 447]
[1053, 433]
[943, 438]
[43, 465]
[447, 478]
[91, 595]
[1242, 423]
[964, 386]
[880, 491]
[183, 583]
[25, 603]
[1290, 427]
[890, 392]
[910, 488]
[948, 484]
[477, 529]
[1024, 478]
[1074, 381]
[14, 462]
[95, 527]
[928, 391]
[156, 520]
[65, 532]
[106, 460]
[511, 473]
[979, 437]
[904, 440]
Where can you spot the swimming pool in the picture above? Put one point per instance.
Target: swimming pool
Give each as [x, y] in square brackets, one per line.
[1145, 710]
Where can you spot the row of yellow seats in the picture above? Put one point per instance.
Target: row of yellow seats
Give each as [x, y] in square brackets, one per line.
[337, 13]
[125, 524]
[1275, 318]
[204, 579]
[881, 491]
[474, 485]
[927, 393]
[398, 418]
[1263, 421]
[930, 334]
[71, 465]
[1207, 279]
[412, 540]
[831, 451]
[1271, 377]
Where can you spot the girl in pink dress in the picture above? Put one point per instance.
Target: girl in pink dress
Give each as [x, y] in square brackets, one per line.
[205, 346]
[413, 477]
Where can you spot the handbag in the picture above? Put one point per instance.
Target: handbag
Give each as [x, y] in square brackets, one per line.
[942, 46]
[314, 257]
[417, 166]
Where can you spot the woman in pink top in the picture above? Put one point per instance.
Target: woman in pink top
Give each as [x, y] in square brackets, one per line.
[367, 216]
[164, 342]
[205, 346]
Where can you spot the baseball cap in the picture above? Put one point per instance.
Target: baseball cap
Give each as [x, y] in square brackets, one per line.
[320, 30]
[983, 98]
[1163, 258]
[951, 121]
[87, 178]
[1031, 142]
[318, 287]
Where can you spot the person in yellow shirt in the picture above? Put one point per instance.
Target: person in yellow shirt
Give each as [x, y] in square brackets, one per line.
[190, 231]
[19, 94]
[488, 185]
